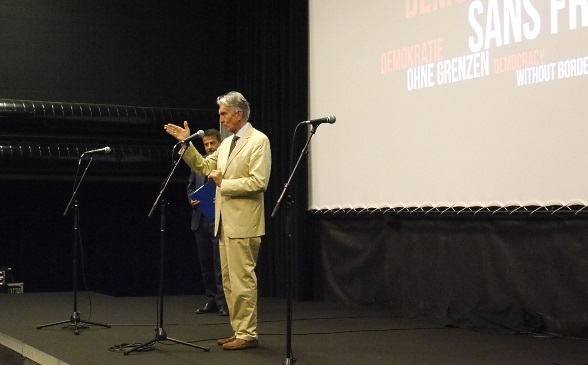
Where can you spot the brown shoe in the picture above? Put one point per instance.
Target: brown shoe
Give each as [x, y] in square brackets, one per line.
[239, 344]
[222, 341]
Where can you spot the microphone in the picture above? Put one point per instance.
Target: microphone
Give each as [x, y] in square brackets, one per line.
[198, 134]
[330, 119]
[105, 150]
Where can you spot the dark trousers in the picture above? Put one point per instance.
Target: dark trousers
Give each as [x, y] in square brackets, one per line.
[208, 254]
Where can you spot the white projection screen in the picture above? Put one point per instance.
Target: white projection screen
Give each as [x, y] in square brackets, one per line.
[445, 103]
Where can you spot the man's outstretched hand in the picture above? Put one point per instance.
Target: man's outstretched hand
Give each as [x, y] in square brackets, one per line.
[178, 132]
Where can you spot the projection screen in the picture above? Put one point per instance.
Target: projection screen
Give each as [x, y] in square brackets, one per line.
[475, 102]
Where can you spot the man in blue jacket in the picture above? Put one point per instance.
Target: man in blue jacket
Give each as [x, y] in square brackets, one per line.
[206, 241]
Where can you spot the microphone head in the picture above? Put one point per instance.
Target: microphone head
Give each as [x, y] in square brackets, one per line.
[198, 134]
[331, 119]
[107, 149]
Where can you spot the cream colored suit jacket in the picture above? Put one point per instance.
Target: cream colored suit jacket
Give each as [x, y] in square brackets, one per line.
[239, 199]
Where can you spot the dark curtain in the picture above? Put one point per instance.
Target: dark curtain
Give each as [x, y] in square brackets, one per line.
[111, 54]
[507, 276]
[267, 60]
[180, 54]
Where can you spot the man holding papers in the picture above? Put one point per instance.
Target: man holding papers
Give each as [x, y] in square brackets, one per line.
[201, 197]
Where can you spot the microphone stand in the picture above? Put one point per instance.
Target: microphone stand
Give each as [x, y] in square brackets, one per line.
[290, 360]
[161, 335]
[77, 323]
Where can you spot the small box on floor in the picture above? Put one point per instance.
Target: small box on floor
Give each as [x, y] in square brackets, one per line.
[15, 288]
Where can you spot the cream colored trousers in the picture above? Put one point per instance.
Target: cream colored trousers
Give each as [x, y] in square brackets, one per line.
[238, 257]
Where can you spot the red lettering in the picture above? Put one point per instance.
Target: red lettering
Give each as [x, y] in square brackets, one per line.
[425, 8]
[411, 56]
[411, 11]
[422, 7]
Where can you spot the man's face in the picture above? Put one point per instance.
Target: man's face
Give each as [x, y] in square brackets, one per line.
[210, 144]
[231, 121]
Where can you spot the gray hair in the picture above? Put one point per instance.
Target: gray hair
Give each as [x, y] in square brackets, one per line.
[235, 101]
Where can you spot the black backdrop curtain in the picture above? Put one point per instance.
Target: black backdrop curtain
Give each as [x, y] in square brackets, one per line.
[178, 54]
[503, 275]
[268, 63]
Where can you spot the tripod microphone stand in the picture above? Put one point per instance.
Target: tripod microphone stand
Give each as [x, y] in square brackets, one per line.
[77, 323]
[161, 335]
[290, 360]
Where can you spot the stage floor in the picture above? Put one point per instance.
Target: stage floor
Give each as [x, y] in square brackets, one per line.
[321, 334]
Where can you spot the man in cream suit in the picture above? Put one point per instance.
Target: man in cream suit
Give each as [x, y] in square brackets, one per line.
[240, 168]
